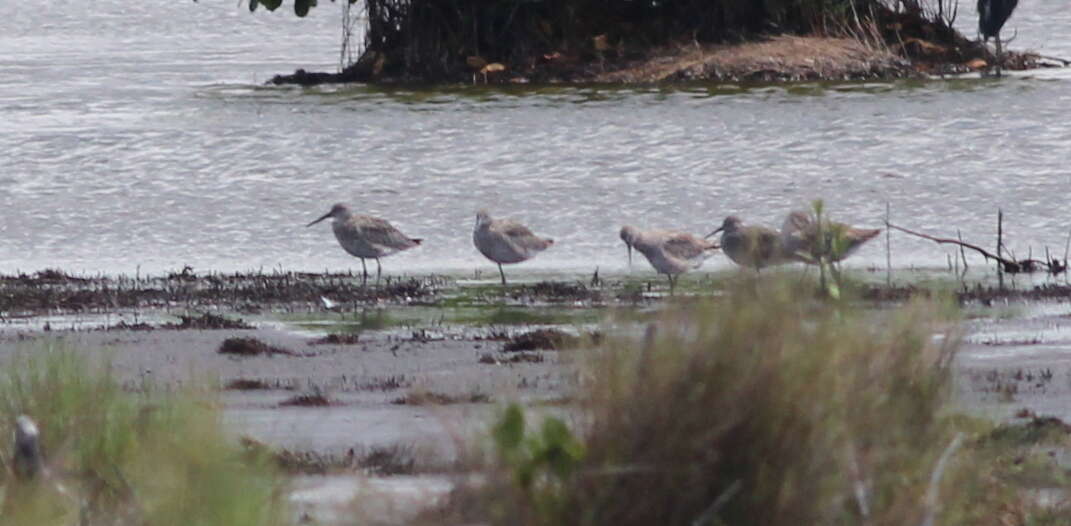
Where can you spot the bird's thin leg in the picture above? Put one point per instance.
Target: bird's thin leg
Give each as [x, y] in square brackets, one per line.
[503, 274]
[672, 283]
[1000, 52]
[364, 272]
[379, 270]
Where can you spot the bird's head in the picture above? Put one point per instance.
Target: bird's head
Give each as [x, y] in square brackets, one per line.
[338, 211]
[482, 218]
[731, 224]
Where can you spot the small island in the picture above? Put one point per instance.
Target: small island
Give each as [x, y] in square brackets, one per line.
[644, 42]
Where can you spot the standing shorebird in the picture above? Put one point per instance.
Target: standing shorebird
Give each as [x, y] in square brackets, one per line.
[670, 253]
[749, 246]
[992, 14]
[799, 238]
[366, 236]
[506, 241]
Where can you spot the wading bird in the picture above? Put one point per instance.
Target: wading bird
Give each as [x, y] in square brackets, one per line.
[506, 241]
[992, 14]
[670, 253]
[799, 238]
[751, 246]
[366, 236]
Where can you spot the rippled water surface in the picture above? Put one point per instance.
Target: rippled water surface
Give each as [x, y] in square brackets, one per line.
[139, 134]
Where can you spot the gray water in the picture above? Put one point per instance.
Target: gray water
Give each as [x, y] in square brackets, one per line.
[140, 135]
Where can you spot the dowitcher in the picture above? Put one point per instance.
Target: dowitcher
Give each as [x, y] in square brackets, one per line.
[669, 252]
[506, 241]
[751, 245]
[366, 237]
[799, 238]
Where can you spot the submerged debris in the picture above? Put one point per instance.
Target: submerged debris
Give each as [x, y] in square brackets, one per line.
[251, 347]
[207, 321]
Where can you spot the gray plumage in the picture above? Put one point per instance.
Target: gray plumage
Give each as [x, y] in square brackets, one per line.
[751, 246]
[669, 252]
[366, 237]
[506, 241]
[799, 238]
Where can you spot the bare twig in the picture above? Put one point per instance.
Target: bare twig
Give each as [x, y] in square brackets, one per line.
[935, 480]
[946, 241]
[962, 253]
[1012, 266]
[888, 247]
[712, 510]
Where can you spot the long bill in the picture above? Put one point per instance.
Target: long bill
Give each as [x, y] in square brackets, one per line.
[325, 216]
[628, 246]
[708, 236]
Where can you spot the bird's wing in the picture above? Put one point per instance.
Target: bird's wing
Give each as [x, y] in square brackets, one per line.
[520, 235]
[686, 246]
[379, 232]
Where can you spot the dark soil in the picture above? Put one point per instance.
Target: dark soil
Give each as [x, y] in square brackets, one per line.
[243, 384]
[251, 347]
[337, 339]
[541, 339]
[977, 293]
[422, 398]
[311, 399]
[53, 290]
[377, 460]
[520, 357]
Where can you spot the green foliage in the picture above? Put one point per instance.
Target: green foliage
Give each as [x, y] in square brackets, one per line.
[145, 458]
[545, 458]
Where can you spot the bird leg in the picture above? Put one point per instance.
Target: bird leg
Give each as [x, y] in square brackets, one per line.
[379, 270]
[1000, 51]
[503, 274]
[364, 272]
[672, 283]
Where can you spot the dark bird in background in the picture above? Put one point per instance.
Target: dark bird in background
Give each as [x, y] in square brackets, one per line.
[992, 14]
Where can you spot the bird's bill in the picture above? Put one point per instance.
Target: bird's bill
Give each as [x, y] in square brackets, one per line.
[708, 236]
[325, 216]
[629, 248]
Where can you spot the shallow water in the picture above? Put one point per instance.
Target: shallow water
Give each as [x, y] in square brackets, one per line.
[140, 135]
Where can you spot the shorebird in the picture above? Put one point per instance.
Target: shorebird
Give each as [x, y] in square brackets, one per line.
[506, 241]
[366, 236]
[992, 14]
[669, 252]
[749, 246]
[799, 238]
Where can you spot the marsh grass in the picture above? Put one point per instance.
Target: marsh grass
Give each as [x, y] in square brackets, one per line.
[767, 407]
[127, 458]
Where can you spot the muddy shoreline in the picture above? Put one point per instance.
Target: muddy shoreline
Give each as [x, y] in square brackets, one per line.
[59, 292]
[391, 382]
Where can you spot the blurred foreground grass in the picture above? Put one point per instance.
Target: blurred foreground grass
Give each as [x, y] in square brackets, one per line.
[117, 457]
[768, 407]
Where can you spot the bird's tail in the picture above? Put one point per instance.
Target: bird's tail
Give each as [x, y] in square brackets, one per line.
[416, 240]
